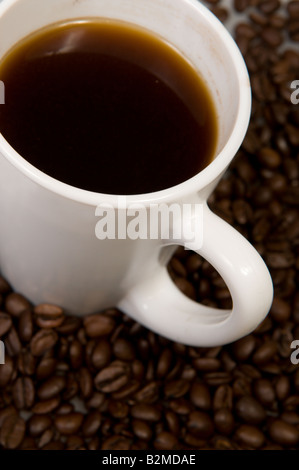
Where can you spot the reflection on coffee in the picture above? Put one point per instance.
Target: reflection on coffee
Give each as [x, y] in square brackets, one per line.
[107, 107]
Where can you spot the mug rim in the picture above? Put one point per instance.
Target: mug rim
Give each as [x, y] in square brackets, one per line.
[182, 190]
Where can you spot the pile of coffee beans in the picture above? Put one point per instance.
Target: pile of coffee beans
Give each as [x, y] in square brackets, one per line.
[105, 382]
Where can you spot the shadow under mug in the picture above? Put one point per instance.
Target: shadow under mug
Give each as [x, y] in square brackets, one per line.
[49, 250]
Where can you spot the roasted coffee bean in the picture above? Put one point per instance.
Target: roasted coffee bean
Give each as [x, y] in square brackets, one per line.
[179, 269]
[69, 325]
[242, 211]
[165, 441]
[75, 443]
[175, 371]
[241, 5]
[164, 363]
[227, 361]
[118, 409]
[42, 341]
[283, 433]
[290, 417]
[200, 396]
[26, 363]
[143, 348]
[260, 230]
[28, 443]
[46, 367]
[282, 387]
[64, 409]
[293, 8]
[244, 347]
[280, 310]
[245, 30]
[5, 412]
[200, 424]
[113, 377]
[181, 406]
[48, 316]
[217, 378]
[117, 443]
[146, 412]
[25, 325]
[290, 167]
[278, 184]
[263, 196]
[15, 303]
[75, 354]
[94, 443]
[206, 364]
[291, 403]
[283, 337]
[221, 13]
[264, 327]
[71, 389]
[188, 373]
[37, 424]
[223, 398]
[268, 6]
[142, 429]
[247, 370]
[241, 387]
[101, 354]
[264, 392]
[68, 424]
[85, 382]
[224, 443]
[176, 388]
[186, 287]
[272, 36]
[250, 410]
[5, 323]
[98, 325]
[53, 445]
[148, 394]
[46, 406]
[265, 352]
[91, 423]
[51, 387]
[172, 422]
[269, 158]
[126, 391]
[12, 431]
[62, 349]
[6, 371]
[250, 436]
[224, 421]
[23, 393]
[12, 342]
[46, 438]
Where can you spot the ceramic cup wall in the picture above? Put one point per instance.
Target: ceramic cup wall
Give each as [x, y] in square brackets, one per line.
[48, 247]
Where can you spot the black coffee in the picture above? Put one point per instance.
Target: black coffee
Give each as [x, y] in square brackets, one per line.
[106, 107]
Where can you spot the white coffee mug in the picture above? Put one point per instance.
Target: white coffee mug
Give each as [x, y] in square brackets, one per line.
[50, 250]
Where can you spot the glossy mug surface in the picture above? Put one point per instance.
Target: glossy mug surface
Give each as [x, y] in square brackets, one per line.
[50, 246]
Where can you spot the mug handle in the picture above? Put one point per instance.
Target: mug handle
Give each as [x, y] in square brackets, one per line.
[160, 306]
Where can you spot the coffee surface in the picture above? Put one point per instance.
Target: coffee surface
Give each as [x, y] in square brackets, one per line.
[107, 107]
